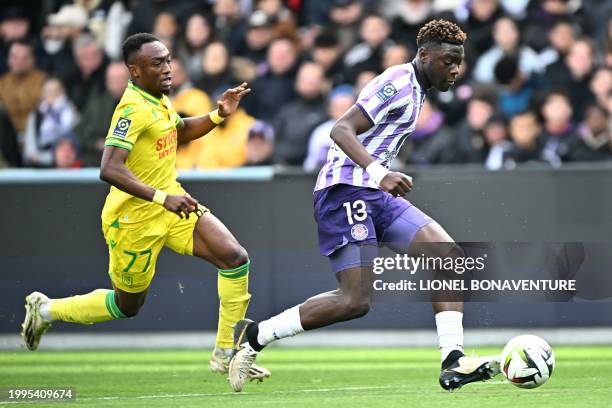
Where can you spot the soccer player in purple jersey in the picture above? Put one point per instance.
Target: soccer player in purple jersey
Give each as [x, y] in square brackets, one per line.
[358, 204]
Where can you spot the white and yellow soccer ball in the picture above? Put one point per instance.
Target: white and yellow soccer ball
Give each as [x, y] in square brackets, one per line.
[527, 361]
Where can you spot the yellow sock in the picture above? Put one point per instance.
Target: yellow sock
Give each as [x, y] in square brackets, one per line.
[233, 289]
[97, 306]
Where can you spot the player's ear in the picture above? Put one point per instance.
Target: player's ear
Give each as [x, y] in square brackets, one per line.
[134, 71]
[424, 55]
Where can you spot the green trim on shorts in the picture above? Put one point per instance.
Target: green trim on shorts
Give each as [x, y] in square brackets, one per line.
[235, 273]
[112, 307]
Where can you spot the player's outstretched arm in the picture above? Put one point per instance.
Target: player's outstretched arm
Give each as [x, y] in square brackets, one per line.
[114, 172]
[344, 134]
[197, 126]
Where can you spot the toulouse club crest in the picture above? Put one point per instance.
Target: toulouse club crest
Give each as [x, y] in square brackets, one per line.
[359, 232]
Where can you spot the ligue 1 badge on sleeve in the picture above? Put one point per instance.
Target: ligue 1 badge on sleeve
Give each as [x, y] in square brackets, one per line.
[386, 92]
[122, 127]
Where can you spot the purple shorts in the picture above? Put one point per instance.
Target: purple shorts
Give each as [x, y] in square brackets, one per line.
[348, 214]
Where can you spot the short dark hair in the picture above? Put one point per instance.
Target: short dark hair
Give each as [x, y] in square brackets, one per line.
[440, 31]
[506, 70]
[326, 39]
[133, 43]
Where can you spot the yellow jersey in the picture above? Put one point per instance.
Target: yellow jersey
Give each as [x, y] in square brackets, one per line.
[147, 127]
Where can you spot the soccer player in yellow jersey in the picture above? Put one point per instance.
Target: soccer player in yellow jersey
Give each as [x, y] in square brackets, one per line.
[148, 209]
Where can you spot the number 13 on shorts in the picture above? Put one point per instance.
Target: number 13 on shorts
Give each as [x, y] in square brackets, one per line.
[355, 211]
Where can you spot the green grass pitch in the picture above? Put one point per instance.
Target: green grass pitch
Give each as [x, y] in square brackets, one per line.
[320, 378]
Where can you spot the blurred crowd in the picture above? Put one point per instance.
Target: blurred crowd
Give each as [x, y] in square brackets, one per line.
[536, 84]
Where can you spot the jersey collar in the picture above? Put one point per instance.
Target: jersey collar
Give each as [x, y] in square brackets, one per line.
[144, 94]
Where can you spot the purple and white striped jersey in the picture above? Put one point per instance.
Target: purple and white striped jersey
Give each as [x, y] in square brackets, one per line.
[391, 102]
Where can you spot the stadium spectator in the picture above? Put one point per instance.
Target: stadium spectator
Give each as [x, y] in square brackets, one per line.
[63, 28]
[260, 144]
[230, 25]
[144, 13]
[368, 54]
[117, 21]
[469, 144]
[340, 100]
[574, 74]
[507, 44]
[274, 88]
[166, 28]
[14, 25]
[216, 70]
[395, 55]
[88, 77]
[260, 33]
[406, 17]
[190, 48]
[601, 86]
[558, 131]
[431, 139]
[560, 38]
[496, 136]
[515, 89]
[526, 145]
[188, 101]
[544, 14]
[10, 153]
[66, 153]
[224, 147]
[20, 88]
[479, 24]
[344, 19]
[362, 80]
[97, 113]
[594, 137]
[55, 117]
[284, 22]
[296, 120]
[327, 52]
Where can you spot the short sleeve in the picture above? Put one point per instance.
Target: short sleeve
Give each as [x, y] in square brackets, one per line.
[385, 93]
[129, 121]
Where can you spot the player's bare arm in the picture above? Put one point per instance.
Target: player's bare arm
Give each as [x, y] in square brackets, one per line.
[344, 134]
[114, 171]
[196, 127]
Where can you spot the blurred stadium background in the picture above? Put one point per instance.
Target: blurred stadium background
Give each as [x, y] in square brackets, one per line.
[519, 150]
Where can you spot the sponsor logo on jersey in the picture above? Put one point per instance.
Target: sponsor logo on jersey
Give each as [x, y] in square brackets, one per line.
[386, 92]
[166, 145]
[122, 127]
[359, 232]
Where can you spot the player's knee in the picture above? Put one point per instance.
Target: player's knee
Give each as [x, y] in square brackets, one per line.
[129, 310]
[236, 257]
[354, 308]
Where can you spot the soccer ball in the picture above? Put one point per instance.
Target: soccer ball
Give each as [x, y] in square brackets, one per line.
[527, 361]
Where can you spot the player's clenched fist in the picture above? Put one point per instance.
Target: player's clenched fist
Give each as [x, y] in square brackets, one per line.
[181, 205]
[396, 183]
